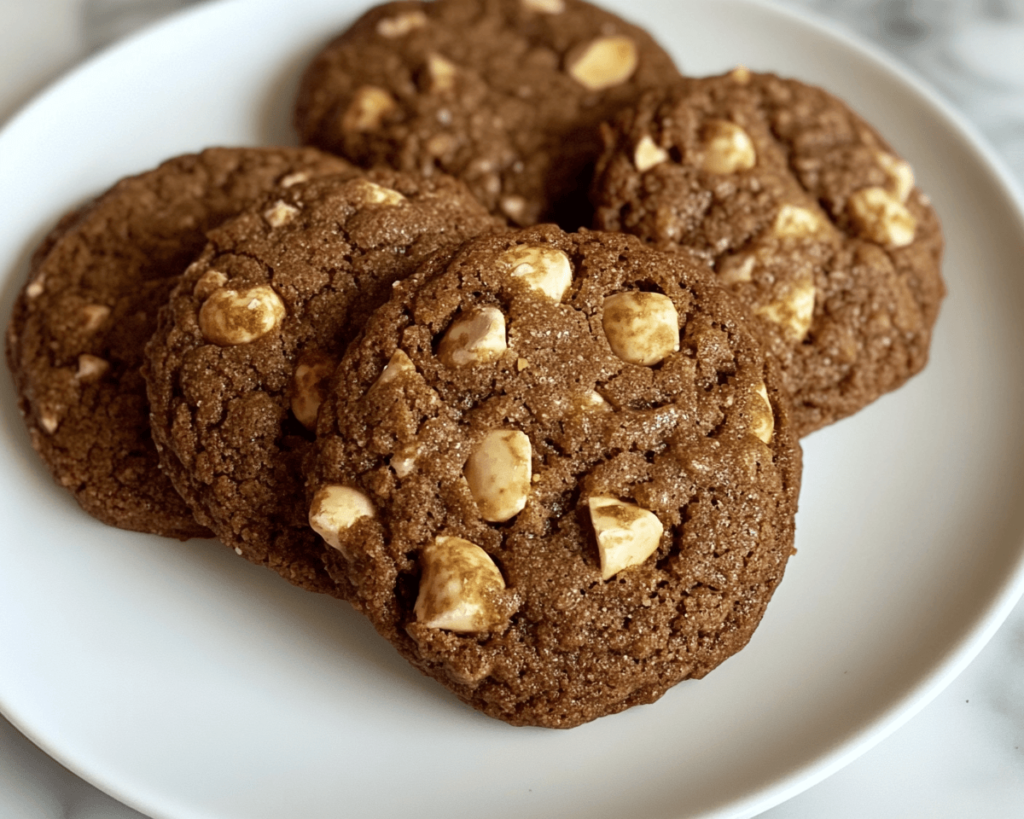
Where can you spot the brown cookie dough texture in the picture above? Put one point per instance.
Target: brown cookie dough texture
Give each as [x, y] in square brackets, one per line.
[506, 95]
[258, 322]
[559, 473]
[806, 214]
[75, 339]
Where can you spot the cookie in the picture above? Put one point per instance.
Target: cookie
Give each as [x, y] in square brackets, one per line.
[559, 474]
[807, 215]
[506, 95]
[258, 321]
[79, 325]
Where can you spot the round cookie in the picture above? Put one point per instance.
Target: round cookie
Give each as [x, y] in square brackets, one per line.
[258, 321]
[506, 95]
[807, 215]
[559, 473]
[79, 325]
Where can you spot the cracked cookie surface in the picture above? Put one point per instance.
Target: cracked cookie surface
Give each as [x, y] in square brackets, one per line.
[807, 215]
[76, 336]
[257, 323]
[559, 474]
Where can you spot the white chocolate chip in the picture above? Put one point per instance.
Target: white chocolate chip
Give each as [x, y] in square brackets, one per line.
[309, 387]
[899, 173]
[441, 144]
[727, 148]
[740, 75]
[294, 179]
[93, 315]
[442, 73]
[476, 337]
[795, 311]
[522, 364]
[880, 217]
[648, 154]
[514, 207]
[368, 109]
[48, 421]
[604, 62]
[737, 268]
[795, 222]
[36, 288]
[403, 461]
[545, 6]
[763, 423]
[230, 317]
[401, 24]
[374, 194]
[498, 473]
[642, 328]
[335, 508]
[544, 268]
[279, 214]
[593, 400]
[398, 364]
[626, 534]
[91, 367]
[209, 282]
[457, 588]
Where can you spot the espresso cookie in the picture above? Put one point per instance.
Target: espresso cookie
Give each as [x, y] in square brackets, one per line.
[75, 339]
[258, 321]
[506, 95]
[807, 215]
[559, 473]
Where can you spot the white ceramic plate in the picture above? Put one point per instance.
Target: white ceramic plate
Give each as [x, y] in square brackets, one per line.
[189, 683]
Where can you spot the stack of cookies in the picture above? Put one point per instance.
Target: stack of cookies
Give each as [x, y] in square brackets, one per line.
[514, 357]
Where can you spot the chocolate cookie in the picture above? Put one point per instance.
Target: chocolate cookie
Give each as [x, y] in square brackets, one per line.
[807, 215]
[75, 339]
[559, 473]
[261, 317]
[506, 95]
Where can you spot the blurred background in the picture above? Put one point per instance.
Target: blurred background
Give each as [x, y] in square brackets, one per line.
[962, 756]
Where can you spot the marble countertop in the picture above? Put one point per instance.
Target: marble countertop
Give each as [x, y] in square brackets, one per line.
[963, 755]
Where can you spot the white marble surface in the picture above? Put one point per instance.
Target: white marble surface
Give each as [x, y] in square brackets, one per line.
[963, 755]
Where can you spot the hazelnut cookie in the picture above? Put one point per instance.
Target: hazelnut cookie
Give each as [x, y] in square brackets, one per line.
[559, 474]
[506, 95]
[76, 337]
[258, 321]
